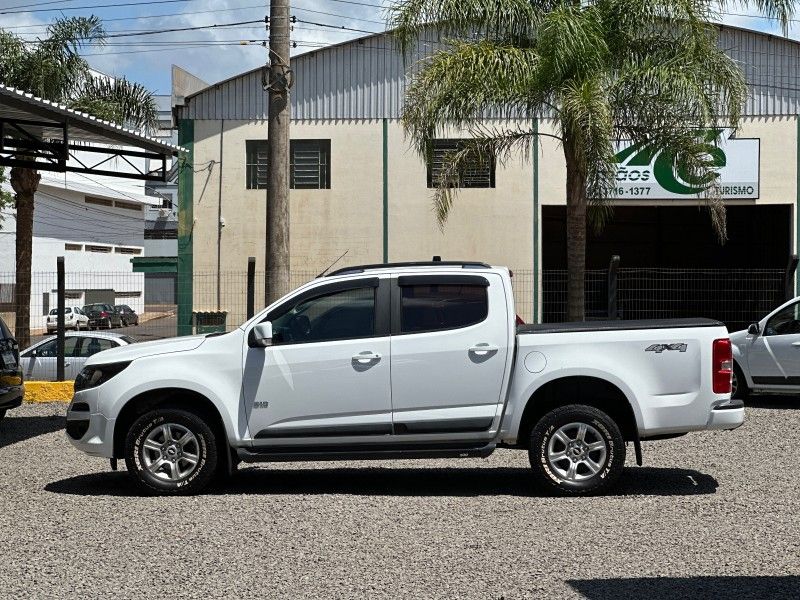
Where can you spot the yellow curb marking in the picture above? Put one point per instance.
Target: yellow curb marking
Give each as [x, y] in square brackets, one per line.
[48, 391]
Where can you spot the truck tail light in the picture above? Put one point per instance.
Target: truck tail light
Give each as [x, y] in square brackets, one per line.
[103, 314]
[722, 366]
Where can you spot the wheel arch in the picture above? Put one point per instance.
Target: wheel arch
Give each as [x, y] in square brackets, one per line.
[590, 390]
[168, 397]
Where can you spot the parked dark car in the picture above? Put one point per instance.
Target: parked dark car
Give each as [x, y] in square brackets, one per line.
[127, 315]
[102, 316]
[11, 387]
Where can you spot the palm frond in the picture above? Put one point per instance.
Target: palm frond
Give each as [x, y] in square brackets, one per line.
[118, 100]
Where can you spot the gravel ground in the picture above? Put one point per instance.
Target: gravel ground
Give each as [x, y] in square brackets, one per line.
[710, 515]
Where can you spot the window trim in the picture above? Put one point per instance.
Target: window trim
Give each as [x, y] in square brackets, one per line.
[772, 317]
[410, 280]
[431, 184]
[382, 318]
[252, 150]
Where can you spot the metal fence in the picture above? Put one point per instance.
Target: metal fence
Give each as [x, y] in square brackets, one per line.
[736, 297]
[220, 302]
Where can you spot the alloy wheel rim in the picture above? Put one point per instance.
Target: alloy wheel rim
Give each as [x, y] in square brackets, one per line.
[171, 452]
[576, 452]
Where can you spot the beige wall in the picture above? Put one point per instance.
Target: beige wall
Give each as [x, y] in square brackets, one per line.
[493, 225]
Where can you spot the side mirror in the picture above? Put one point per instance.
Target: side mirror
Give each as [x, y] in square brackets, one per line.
[262, 334]
[33, 353]
[754, 329]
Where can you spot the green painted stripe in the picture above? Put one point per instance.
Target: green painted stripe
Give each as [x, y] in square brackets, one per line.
[185, 226]
[386, 190]
[536, 222]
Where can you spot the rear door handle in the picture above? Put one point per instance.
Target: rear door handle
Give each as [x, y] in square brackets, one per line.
[366, 357]
[483, 349]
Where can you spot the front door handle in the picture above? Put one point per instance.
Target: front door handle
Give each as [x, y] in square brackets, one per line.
[366, 357]
[483, 349]
[796, 344]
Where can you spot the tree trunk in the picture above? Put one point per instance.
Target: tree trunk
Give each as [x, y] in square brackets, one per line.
[576, 235]
[25, 183]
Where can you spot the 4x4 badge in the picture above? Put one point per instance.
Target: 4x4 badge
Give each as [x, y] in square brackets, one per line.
[659, 348]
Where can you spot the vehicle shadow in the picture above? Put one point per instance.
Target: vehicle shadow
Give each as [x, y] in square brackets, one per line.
[18, 429]
[658, 588]
[773, 402]
[371, 481]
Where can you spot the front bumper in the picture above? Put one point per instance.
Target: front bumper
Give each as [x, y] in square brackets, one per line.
[728, 415]
[88, 430]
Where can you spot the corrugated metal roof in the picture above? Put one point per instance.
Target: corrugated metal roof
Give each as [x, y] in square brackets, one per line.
[366, 78]
[16, 104]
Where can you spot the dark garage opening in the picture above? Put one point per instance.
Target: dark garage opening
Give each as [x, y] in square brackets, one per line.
[672, 264]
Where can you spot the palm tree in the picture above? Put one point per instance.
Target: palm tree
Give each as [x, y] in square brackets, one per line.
[52, 68]
[649, 71]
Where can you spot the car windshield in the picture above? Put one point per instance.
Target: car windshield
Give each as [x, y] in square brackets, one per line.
[91, 307]
[66, 311]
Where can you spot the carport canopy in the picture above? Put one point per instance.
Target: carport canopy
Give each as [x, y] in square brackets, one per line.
[44, 135]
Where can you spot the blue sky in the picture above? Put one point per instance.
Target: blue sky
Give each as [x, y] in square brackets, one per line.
[214, 54]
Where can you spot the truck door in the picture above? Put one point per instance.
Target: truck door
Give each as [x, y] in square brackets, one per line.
[449, 352]
[325, 379]
[774, 354]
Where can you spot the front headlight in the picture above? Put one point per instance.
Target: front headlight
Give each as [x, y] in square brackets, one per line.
[96, 375]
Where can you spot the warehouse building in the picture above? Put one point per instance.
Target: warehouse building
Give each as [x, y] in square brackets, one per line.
[358, 187]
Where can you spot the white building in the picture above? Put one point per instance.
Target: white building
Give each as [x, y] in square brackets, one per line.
[97, 225]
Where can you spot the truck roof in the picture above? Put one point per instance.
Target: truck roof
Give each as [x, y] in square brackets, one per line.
[433, 263]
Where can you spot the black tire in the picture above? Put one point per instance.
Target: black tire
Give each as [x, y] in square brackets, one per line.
[739, 389]
[553, 475]
[162, 482]
[2, 414]
[122, 323]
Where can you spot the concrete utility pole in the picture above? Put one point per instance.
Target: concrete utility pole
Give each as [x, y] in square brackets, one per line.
[280, 80]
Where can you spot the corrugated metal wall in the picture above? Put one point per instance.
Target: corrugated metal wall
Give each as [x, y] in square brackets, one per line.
[366, 79]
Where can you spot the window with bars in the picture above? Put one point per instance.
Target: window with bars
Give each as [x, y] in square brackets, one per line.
[309, 164]
[475, 173]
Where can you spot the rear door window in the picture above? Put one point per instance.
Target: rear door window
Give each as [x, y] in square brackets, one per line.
[435, 307]
[94, 345]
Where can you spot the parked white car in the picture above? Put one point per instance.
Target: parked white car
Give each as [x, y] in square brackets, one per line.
[766, 356]
[403, 361]
[73, 319]
[38, 361]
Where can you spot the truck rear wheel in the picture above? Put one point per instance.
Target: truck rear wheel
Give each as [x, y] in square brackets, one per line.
[576, 450]
[171, 451]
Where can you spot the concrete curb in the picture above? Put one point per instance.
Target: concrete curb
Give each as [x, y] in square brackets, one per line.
[48, 391]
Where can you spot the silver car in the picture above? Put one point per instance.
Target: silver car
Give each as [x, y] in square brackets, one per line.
[766, 355]
[39, 361]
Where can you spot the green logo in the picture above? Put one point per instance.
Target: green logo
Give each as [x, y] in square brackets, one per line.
[636, 160]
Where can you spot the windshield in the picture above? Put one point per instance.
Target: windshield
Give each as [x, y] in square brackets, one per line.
[90, 307]
[66, 311]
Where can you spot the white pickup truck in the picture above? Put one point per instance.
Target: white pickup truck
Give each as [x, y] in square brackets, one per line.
[407, 360]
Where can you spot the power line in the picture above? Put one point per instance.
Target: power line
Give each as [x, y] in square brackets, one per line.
[174, 29]
[149, 17]
[339, 27]
[37, 10]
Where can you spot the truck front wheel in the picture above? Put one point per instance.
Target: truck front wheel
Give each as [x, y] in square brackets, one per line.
[576, 450]
[171, 451]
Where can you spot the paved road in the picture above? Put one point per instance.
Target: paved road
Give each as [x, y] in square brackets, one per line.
[710, 515]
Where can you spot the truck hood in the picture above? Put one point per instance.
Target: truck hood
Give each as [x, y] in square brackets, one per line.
[140, 350]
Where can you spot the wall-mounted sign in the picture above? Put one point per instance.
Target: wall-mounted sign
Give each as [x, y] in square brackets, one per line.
[647, 173]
